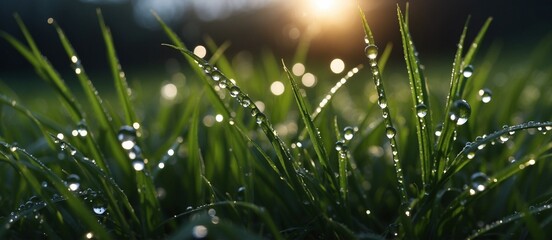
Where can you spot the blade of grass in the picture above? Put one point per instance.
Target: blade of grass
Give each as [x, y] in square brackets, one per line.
[420, 100]
[121, 85]
[391, 132]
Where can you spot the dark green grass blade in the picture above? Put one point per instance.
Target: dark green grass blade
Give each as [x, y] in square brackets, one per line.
[45, 70]
[104, 181]
[444, 144]
[121, 84]
[264, 216]
[99, 113]
[77, 206]
[420, 100]
[29, 114]
[538, 208]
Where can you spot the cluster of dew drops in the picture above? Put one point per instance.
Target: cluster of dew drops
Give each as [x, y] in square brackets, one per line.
[235, 92]
[127, 137]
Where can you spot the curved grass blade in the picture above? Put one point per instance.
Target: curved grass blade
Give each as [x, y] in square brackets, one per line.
[45, 70]
[76, 205]
[420, 99]
[118, 75]
[13, 104]
[470, 195]
[545, 206]
[115, 194]
[259, 211]
[470, 149]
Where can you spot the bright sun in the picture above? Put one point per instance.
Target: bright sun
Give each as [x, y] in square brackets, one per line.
[322, 6]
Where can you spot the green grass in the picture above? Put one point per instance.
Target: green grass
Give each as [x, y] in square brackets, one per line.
[381, 162]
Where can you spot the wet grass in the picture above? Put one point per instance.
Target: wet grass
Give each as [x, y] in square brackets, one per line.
[215, 156]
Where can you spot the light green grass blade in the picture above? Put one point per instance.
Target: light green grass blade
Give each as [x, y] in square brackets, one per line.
[309, 124]
[29, 114]
[420, 100]
[121, 85]
[390, 131]
[194, 157]
[372, 52]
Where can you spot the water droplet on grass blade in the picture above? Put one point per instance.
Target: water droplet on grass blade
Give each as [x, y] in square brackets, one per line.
[468, 71]
[479, 181]
[138, 164]
[127, 137]
[340, 145]
[421, 110]
[234, 91]
[460, 112]
[348, 133]
[371, 51]
[390, 132]
[73, 182]
[485, 95]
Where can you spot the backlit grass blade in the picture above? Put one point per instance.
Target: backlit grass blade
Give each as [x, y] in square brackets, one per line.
[470, 150]
[420, 100]
[372, 53]
[390, 131]
[314, 134]
[119, 78]
[282, 152]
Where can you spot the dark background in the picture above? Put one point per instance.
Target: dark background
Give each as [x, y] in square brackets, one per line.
[435, 27]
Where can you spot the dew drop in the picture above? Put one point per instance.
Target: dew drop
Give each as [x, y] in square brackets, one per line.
[371, 51]
[234, 91]
[504, 138]
[223, 83]
[486, 95]
[244, 100]
[340, 145]
[348, 133]
[73, 182]
[260, 118]
[138, 164]
[382, 102]
[460, 112]
[468, 71]
[390, 132]
[98, 206]
[479, 181]
[470, 155]
[216, 75]
[421, 110]
[127, 137]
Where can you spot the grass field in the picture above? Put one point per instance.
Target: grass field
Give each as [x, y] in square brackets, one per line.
[377, 153]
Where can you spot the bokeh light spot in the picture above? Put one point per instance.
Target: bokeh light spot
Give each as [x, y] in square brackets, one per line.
[337, 66]
[308, 80]
[200, 51]
[277, 88]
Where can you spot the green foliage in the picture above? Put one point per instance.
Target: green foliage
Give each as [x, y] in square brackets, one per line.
[223, 159]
